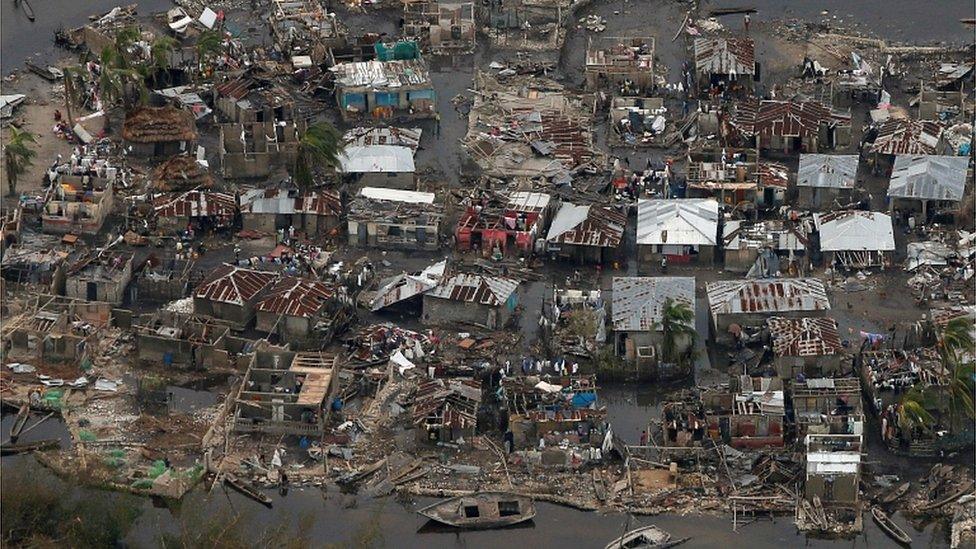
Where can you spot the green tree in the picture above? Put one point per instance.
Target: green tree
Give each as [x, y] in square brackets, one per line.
[124, 38]
[677, 325]
[319, 147]
[160, 51]
[913, 410]
[117, 82]
[18, 155]
[956, 351]
[208, 43]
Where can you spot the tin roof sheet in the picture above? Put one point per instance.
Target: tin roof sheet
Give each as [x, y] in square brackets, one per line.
[471, 288]
[232, 284]
[725, 55]
[767, 296]
[377, 159]
[293, 296]
[586, 225]
[382, 74]
[929, 177]
[638, 302]
[396, 195]
[849, 230]
[907, 136]
[679, 221]
[837, 171]
[804, 336]
[197, 204]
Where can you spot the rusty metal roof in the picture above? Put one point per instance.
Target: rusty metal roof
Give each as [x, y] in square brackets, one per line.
[638, 302]
[197, 204]
[907, 136]
[293, 296]
[790, 118]
[232, 284]
[767, 296]
[599, 226]
[725, 56]
[804, 336]
[471, 288]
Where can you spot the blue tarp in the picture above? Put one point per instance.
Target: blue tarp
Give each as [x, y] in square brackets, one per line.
[583, 400]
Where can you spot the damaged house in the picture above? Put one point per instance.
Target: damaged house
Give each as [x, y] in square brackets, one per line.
[761, 246]
[828, 405]
[482, 300]
[54, 329]
[305, 28]
[35, 266]
[286, 393]
[806, 347]
[230, 293]
[102, 277]
[163, 279]
[180, 173]
[315, 214]
[158, 131]
[514, 226]
[301, 311]
[641, 122]
[407, 288]
[202, 210]
[376, 90]
[77, 205]
[387, 166]
[725, 62]
[791, 126]
[856, 239]
[446, 410]
[928, 184]
[905, 136]
[738, 304]
[750, 414]
[183, 341]
[831, 483]
[637, 315]
[586, 233]
[390, 218]
[443, 28]
[681, 229]
[826, 180]
[255, 149]
[247, 99]
[622, 64]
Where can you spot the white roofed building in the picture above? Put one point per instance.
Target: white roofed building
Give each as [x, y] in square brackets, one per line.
[683, 229]
[855, 239]
[825, 179]
[389, 166]
[927, 183]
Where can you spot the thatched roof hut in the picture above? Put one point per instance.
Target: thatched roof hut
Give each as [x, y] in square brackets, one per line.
[159, 125]
[180, 173]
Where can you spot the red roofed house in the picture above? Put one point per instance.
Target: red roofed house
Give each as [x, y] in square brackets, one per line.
[230, 294]
[807, 345]
[792, 126]
[202, 209]
[298, 308]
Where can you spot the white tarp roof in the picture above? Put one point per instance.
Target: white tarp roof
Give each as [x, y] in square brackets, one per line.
[678, 221]
[855, 230]
[567, 218]
[377, 159]
[396, 195]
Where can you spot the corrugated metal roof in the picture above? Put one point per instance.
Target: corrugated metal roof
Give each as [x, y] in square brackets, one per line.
[382, 74]
[638, 302]
[767, 296]
[851, 230]
[837, 171]
[678, 221]
[293, 296]
[587, 226]
[405, 286]
[197, 204]
[804, 336]
[401, 137]
[232, 284]
[929, 177]
[907, 136]
[377, 159]
[790, 118]
[524, 201]
[396, 195]
[471, 288]
[725, 55]
[738, 234]
[291, 201]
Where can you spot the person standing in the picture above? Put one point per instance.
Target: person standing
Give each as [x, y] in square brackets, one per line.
[745, 22]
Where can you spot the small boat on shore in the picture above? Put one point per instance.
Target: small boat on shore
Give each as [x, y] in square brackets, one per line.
[646, 537]
[28, 9]
[895, 494]
[247, 490]
[481, 511]
[24, 447]
[49, 73]
[19, 422]
[889, 527]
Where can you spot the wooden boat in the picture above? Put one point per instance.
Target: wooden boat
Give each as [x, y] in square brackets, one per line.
[28, 9]
[646, 537]
[19, 422]
[948, 499]
[889, 527]
[895, 494]
[482, 510]
[247, 490]
[49, 73]
[24, 447]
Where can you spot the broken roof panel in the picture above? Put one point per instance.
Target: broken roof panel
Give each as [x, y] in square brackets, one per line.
[586, 225]
[858, 230]
[836, 171]
[197, 204]
[638, 302]
[739, 234]
[929, 177]
[291, 201]
[677, 221]
[725, 55]
[293, 296]
[400, 137]
[492, 291]
[382, 74]
[232, 284]
[528, 202]
[767, 296]
[404, 286]
[804, 336]
[397, 195]
[907, 136]
[377, 159]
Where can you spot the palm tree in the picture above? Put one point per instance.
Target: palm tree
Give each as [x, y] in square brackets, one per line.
[913, 410]
[319, 147]
[18, 155]
[209, 42]
[677, 325]
[116, 80]
[160, 51]
[955, 345]
[124, 38]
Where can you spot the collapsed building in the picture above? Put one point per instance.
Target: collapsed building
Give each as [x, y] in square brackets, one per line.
[725, 62]
[856, 239]
[623, 64]
[77, 205]
[181, 341]
[302, 311]
[390, 218]
[164, 279]
[202, 210]
[311, 213]
[55, 329]
[738, 304]
[488, 301]
[304, 28]
[446, 410]
[586, 233]
[516, 225]
[735, 177]
[637, 312]
[762, 247]
[100, 277]
[230, 293]
[806, 347]
[443, 28]
[255, 149]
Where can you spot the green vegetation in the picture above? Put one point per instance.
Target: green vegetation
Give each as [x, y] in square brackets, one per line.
[319, 147]
[18, 155]
[677, 325]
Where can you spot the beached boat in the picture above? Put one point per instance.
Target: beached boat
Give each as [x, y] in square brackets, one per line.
[178, 20]
[24, 447]
[895, 494]
[481, 511]
[247, 489]
[48, 72]
[19, 422]
[28, 9]
[889, 527]
[646, 537]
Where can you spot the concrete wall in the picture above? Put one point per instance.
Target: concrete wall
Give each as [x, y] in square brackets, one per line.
[289, 327]
[109, 291]
[741, 260]
[649, 257]
[401, 180]
[375, 238]
[237, 316]
[810, 366]
[842, 488]
[821, 198]
[438, 311]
